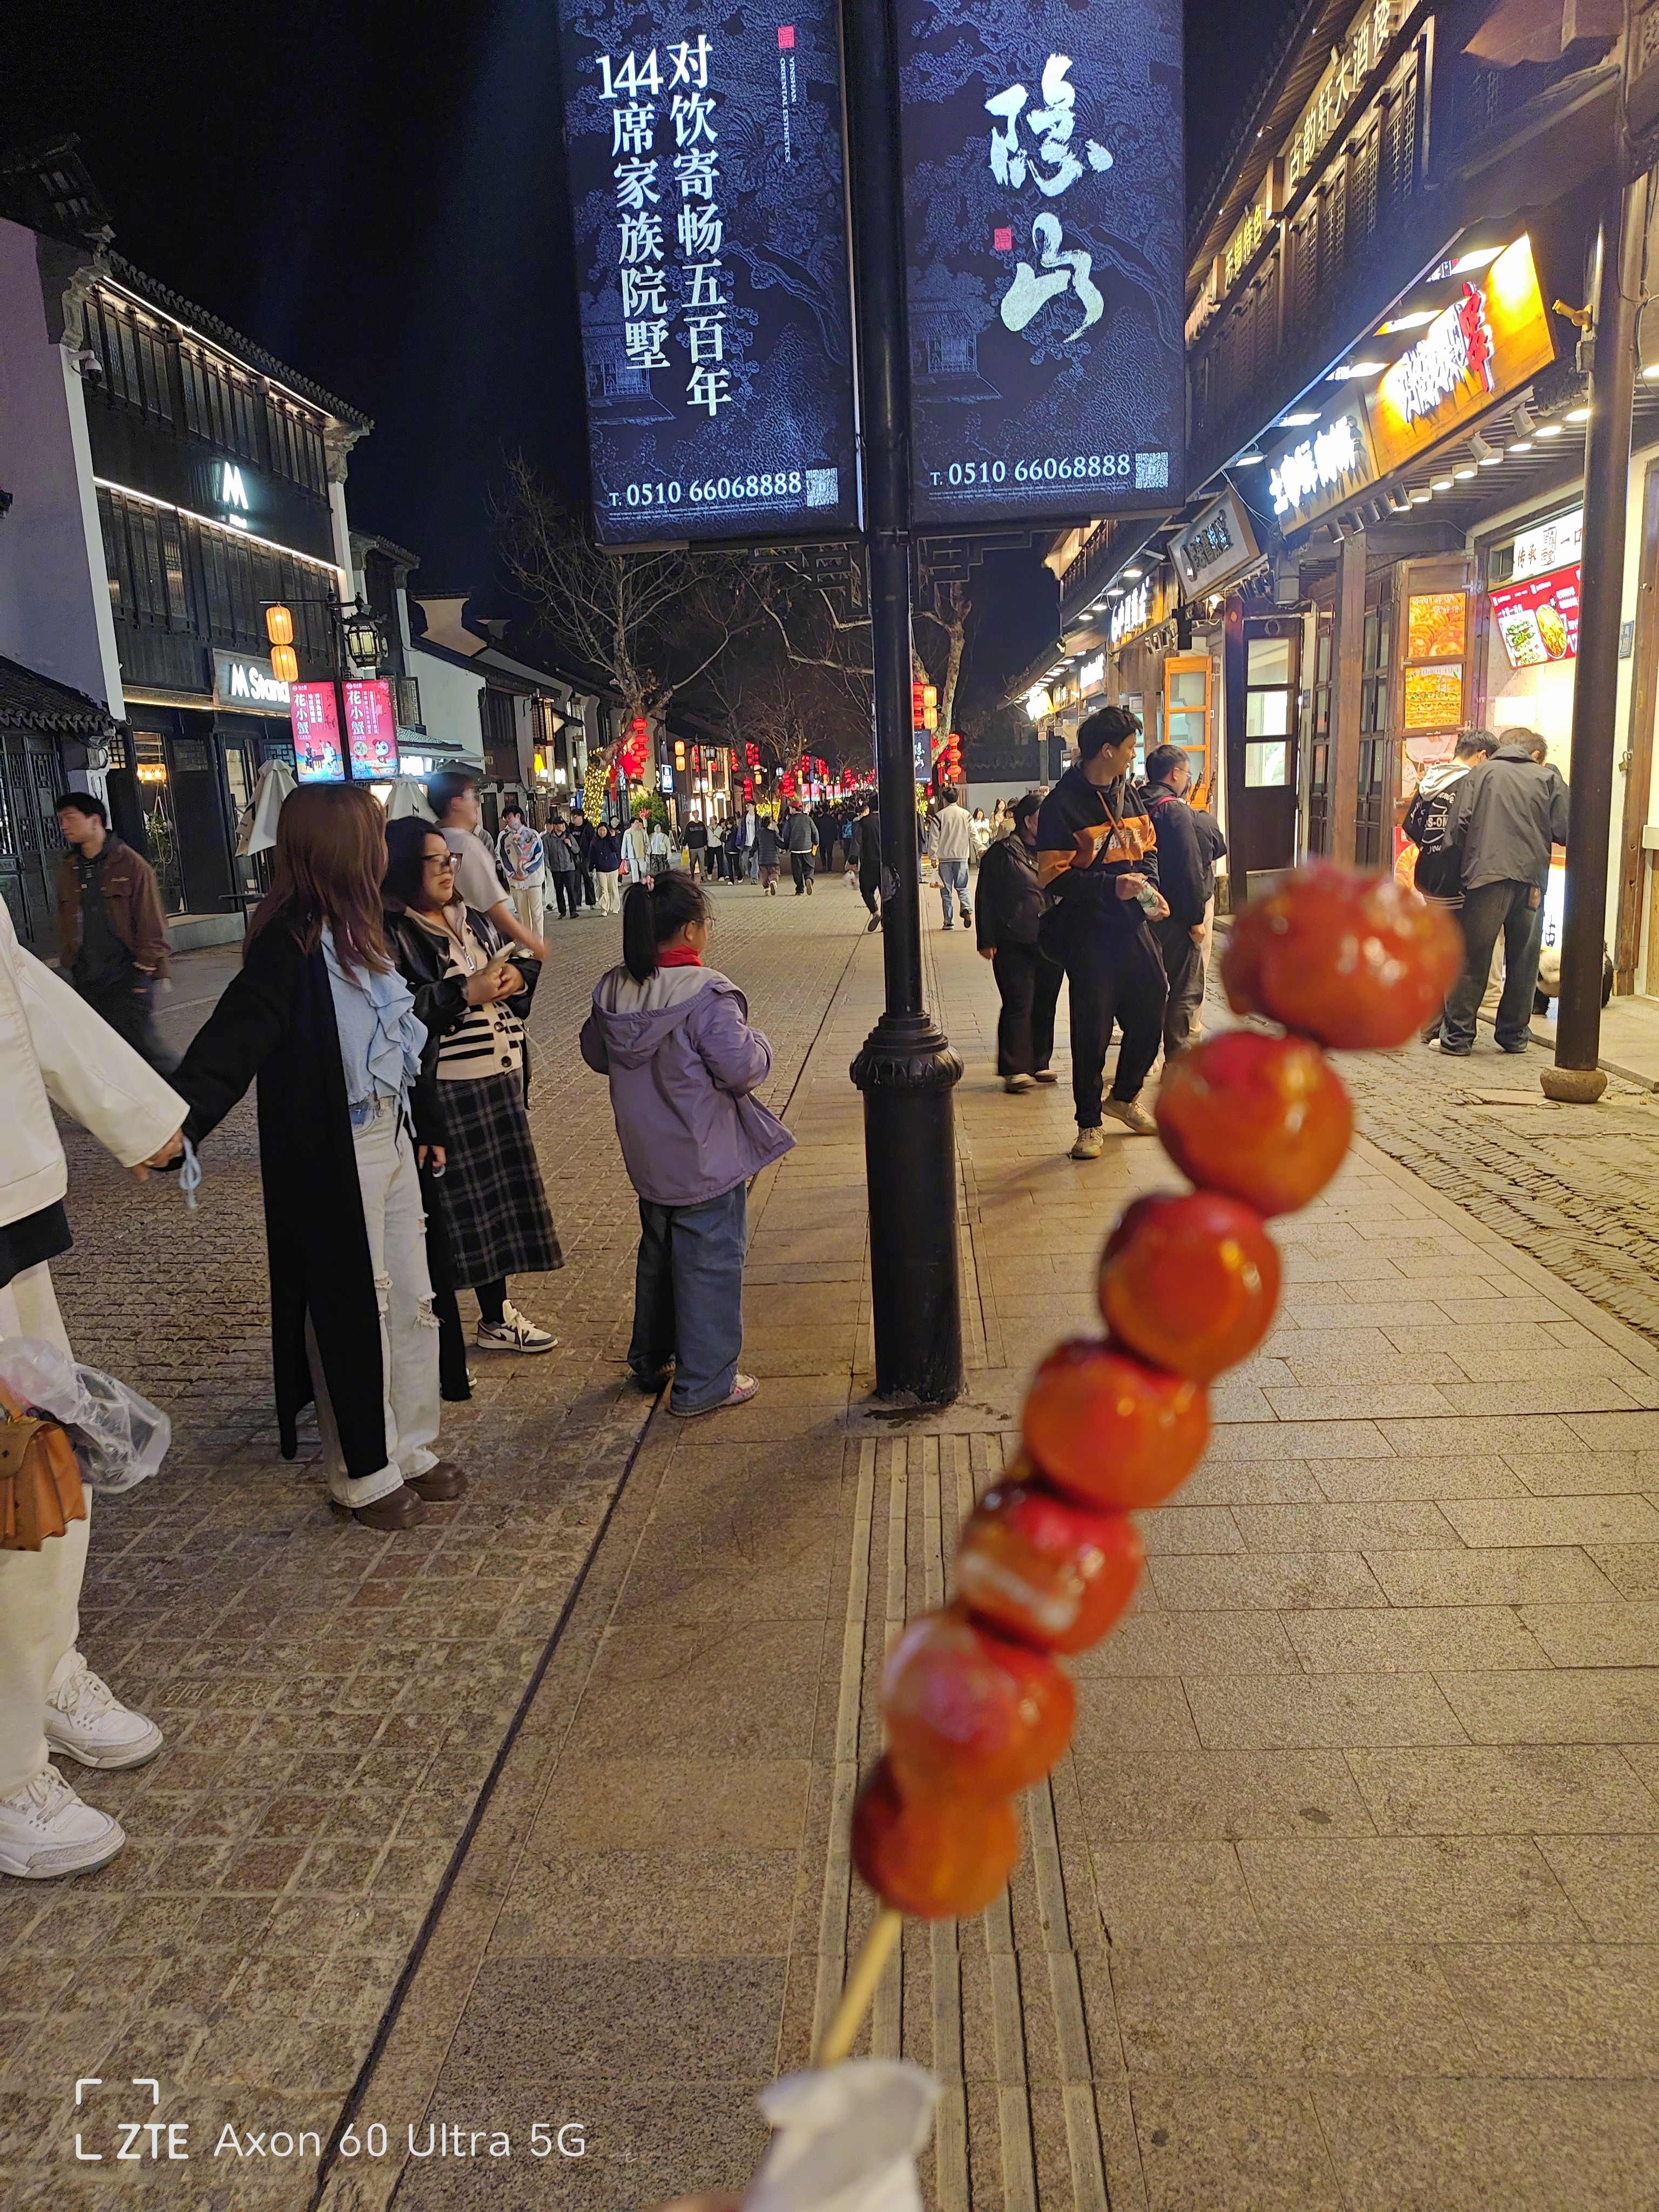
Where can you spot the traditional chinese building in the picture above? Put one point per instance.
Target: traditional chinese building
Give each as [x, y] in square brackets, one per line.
[1386, 424]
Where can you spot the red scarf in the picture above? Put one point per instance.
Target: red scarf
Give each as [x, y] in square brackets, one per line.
[679, 955]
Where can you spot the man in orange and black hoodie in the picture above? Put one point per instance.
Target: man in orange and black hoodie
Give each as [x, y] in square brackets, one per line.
[1097, 856]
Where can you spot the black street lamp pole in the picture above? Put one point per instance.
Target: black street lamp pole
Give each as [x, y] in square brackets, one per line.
[1577, 1077]
[907, 1068]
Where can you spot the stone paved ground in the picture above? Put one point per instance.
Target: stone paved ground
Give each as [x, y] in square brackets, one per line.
[333, 1700]
[1343, 1897]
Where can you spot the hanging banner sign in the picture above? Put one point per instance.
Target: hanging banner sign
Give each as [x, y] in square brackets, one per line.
[1044, 207]
[709, 201]
[371, 728]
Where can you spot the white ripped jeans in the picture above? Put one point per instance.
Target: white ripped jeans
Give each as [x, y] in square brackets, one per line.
[39, 1591]
[396, 1221]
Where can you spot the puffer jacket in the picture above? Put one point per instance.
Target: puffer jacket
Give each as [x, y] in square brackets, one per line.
[55, 1050]
[683, 1062]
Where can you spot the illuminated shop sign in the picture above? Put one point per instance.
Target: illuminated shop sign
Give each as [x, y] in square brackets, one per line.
[1321, 469]
[1557, 545]
[1487, 343]
[1219, 546]
[238, 681]
[1092, 674]
[1350, 64]
[230, 488]
[1538, 619]
[1038, 703]
[1133, 613]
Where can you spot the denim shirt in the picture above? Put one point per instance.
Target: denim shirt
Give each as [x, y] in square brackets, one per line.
[381, 1039]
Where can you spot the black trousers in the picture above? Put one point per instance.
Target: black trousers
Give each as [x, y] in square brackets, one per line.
[801, 863]
[1116, 975]
[452, 1385]
[584, 878]
[1486, 910]
[126, 1007]
[1030, 987]
[564, 890]
[1183, 968]
[867, 893]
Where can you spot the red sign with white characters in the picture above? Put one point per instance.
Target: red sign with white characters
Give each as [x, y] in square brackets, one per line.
[371, 728]
[1538, 621]
[318, 754]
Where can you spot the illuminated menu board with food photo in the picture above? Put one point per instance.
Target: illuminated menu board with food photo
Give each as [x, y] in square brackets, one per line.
[1538, 619]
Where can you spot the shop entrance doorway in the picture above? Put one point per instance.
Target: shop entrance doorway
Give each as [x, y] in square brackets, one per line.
[31, 843]
[1264, 675]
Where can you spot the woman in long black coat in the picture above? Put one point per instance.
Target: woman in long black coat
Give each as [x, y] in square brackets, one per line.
[321, 1021]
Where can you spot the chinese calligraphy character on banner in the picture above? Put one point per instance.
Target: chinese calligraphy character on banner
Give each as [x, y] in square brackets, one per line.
[1052, 127]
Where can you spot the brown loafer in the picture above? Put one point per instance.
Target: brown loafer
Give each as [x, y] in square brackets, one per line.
[398, 1508]
[439, 1484]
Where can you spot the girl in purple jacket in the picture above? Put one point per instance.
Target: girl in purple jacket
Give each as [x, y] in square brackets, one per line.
[674, 1038]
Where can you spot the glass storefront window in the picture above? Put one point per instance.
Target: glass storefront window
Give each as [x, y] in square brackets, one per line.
[1266, 714]
[1269, 661]
[1267, 767]
[161, 823]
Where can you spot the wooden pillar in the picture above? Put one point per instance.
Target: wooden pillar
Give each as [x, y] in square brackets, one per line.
[1633, 868]
[1347, 698]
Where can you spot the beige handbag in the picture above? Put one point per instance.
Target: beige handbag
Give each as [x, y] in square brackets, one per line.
[40, 1487]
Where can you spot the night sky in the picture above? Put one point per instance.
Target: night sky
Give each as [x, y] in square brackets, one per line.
[372, 192]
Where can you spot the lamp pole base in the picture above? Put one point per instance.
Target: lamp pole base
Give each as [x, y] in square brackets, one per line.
[907, 1071]
[1573, 1087]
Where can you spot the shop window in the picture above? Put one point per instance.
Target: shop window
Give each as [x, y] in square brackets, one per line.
[161, 828]
[1266, 714]
[218, 406]
[1318, 831]
[1267, 767]
[133, 356]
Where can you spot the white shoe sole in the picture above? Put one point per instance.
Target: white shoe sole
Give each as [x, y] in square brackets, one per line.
[65, 1859]
[697, 1413]
[526, 1351]
[133, 1754]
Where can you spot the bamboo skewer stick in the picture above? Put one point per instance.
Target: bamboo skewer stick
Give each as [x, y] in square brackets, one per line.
[860, 1987]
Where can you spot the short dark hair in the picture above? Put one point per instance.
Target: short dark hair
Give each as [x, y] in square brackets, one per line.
[511, 806]
[80, 802]
[1163, 761]
[1535, 743]
[947, 794]
[1472, 743]
[447, 786]
[1025, 807]
[1109, 725]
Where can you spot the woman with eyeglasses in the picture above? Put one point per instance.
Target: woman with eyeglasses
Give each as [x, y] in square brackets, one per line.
[320, 1018]
[487, 1212]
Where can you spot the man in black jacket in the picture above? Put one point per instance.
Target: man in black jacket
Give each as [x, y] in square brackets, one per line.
[1506, 816]
[1183, 874]
[580, 839]
[1097, 855]
[1007, 909]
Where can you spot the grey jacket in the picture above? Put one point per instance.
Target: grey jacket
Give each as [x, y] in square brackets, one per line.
[1508, 812]
[951, 834]
[683, 1062]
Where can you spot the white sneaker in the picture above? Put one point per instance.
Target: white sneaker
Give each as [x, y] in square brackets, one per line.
[47, 1831]
[744, 1387]
[1090, 1143]
[1133, 1114]
[512, 1333]
[87, 1721]
[1018, 1083]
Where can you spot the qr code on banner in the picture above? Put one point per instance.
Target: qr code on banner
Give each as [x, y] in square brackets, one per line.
[822, 487]
[1151, 472]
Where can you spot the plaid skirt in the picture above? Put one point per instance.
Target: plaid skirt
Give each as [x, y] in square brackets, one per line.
[489, 1197]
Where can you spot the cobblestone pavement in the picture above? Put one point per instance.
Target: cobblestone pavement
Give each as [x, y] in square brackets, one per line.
[1343, 1896]
[332, 1699]
[1577, 1187]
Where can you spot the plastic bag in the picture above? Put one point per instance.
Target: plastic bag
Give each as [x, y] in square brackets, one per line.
[846, 2139]
[120, 1438]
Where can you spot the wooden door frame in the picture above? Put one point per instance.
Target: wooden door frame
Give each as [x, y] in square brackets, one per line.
[1346, 692]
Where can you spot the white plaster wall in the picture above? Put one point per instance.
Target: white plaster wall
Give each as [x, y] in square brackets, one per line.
[449, 701]
[54, 592]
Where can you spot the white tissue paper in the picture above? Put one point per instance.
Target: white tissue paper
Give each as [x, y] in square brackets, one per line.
[845, 2139]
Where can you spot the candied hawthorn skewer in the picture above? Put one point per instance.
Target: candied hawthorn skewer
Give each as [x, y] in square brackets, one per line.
[975, 1705]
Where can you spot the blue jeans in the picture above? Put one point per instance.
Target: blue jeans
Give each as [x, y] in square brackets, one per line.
[953, 876]
[688, 1296]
